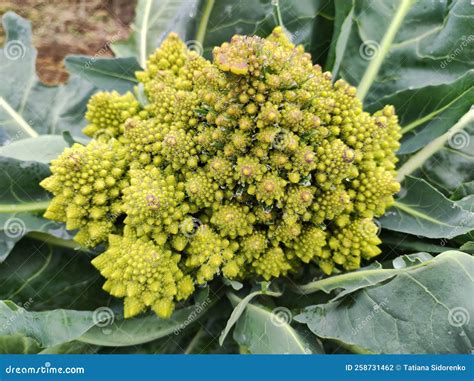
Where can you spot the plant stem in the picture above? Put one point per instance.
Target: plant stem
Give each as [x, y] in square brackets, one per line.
[374, 66]
[55, 241]
[276, 5]
[328, 283]
[143, 33]
[418, 159]
[201, 32]
[194, 341]
[18, 118]
[26, 207]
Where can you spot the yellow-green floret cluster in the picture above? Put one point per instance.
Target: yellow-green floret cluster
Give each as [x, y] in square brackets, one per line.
[250, 166]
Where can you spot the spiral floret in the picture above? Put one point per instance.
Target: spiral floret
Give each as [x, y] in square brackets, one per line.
[107, 112]
[248, 167]
[86, 182]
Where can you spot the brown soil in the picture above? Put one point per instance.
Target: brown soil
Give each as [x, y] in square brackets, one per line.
[71, 27]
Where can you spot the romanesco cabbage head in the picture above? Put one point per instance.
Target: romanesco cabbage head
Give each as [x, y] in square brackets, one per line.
[250, 166]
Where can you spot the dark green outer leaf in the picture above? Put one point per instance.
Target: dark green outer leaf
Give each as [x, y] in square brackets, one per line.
[453, 163]
[27, 107]
[428, 112]
[125, 332]
[207, 23]
[408, 243]
[426, 212]
[239, 309]
[380, 318]
[19, 192]
[463, 190]
[14, 226]
[105, 73]
[17, 344]
[154, 19]
[46, 328]
[263, 331]
[42, 149]
[53, 277]
[415, 55]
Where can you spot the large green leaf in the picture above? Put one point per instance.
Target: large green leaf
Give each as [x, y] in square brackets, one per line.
[406, 243]
[124, 332]
[14, 226]
[463, 190]
[27, 107]
[447, 161]
[19, 185]
[54, 277]
[21, 194]
[261, 330]
[18, 344]
[239, 310]
[430, 111]
[424, 211]
[203, 24]
[308, 23]
[47, 328]
[154, 19]
[381, 318]
[106, 73]
[388, 46]
[41, 149]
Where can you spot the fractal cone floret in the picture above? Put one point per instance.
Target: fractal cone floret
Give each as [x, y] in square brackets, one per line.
[251, 166]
